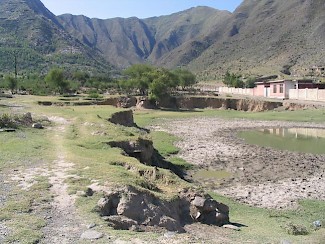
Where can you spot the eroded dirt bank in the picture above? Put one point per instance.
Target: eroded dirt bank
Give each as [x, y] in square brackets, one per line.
[261, 176]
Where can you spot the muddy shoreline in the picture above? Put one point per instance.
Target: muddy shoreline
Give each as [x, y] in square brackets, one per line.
[261, 176]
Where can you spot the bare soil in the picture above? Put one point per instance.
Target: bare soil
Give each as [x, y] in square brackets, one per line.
[261, 176]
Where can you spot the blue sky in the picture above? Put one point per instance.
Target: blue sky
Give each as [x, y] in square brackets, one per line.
[127, 8]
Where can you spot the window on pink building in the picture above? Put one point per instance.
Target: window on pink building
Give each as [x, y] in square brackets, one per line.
[274, 89]
[281, 88]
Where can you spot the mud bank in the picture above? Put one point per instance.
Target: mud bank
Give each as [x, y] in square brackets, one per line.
[185, 102]
[261, 176]
[220, 103]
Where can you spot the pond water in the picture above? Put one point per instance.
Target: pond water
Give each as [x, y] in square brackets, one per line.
[306, 140]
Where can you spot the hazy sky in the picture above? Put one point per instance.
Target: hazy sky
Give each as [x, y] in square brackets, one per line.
[127, 8]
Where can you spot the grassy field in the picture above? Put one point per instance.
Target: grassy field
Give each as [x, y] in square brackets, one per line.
[84, 143]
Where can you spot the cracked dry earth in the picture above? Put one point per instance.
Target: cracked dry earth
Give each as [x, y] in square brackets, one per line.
[261, 176]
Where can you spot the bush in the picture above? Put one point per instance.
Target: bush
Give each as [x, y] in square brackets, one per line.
[94, 95]
[294, 229]
[7, 121]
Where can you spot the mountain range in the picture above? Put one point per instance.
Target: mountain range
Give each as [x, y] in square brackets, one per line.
[260, 37]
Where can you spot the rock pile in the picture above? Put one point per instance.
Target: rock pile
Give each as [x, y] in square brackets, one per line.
[132, 209]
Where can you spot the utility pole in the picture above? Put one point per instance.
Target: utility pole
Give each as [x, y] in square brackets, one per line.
[15, 56]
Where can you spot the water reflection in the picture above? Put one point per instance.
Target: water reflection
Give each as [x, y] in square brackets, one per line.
[296, 132]
[307, 140]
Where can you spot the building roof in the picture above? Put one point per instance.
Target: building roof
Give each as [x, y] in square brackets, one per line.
[302, 81]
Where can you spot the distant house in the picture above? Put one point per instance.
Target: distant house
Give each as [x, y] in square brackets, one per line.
[317, 71]
[280, 88]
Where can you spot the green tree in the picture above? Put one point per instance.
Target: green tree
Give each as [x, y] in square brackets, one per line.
[148, 80]
[12, 83]
[56, 78]
[250, 82]
[158, 90]
[80, 76]
[185, 78]
[233, 80]
[163, 83]
[140, 76]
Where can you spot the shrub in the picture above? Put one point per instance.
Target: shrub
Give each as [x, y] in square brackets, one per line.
[294, 229]
[7, 121]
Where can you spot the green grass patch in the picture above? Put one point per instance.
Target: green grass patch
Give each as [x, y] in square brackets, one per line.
[144, 118]
[271, 226]
[17, 212]
[164, 143]
[181, 163]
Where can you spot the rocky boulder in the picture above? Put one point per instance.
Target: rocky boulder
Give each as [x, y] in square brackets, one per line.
[130, 208]
[208, 211]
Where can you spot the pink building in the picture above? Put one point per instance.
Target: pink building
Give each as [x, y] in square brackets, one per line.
[280, 88]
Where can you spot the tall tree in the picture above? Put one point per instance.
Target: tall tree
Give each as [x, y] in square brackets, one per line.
[56, 78]
[12, 83]
[185, 78]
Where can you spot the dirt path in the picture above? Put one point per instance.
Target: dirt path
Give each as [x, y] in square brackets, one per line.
[64, 223]
[261, 176]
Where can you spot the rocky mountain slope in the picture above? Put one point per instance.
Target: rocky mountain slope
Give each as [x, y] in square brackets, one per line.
[132, 40]
[260, 37]
[34, 35]
[268, 36]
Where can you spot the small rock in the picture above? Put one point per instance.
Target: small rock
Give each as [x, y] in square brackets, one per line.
[37, 126]
[119, 222]
[89, 192]
[170, 234]
[232, 227]
[317, 224]
[91, 235]
[198, 201]
[136, 228]
[92, 225]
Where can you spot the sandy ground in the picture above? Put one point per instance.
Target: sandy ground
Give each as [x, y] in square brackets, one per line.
[261, 176]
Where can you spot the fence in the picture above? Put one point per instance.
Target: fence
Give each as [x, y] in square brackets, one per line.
[307, 94]
[300, 94]
[239, 91]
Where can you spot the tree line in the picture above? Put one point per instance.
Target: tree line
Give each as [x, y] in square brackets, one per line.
[140, 79]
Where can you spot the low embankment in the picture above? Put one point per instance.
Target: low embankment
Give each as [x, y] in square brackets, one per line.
[188, 102]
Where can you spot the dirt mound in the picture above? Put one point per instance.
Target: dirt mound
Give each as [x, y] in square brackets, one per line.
[131, 209]
[124, 118]
[300, 106]
[143, 150]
